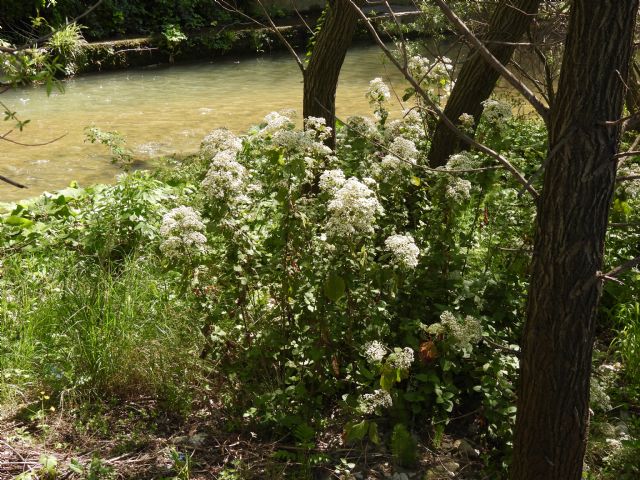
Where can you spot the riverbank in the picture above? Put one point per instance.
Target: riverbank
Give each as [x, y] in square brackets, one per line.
[220, 42]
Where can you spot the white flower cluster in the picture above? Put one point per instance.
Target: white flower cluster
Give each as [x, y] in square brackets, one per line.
[495, 112]
[466, 121]
[318, 125]
[401, 358]
[458, 189]
[460, 161]
[352, 210]
[403, 153]
[410, 127]
[464, 333]
[331, 181]
[276, 121]
[226, 178]
[599, 399]
[378, 91]
[404, 250]
[219, 140]
[370, 402]
[362, 126]
[375, 351]
[435, 74]
[297, 141]
[631, 187]
[181, 229]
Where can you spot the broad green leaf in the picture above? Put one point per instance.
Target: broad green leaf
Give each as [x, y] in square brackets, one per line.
[334, 287]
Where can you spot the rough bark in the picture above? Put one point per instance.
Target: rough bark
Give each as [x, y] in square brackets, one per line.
[553, 395]
[477, 79]
[322, 72]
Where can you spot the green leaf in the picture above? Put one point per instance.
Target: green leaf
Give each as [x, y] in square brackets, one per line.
[334, 287]
[409, 92]
[387, 379]
[373, 433]
[415, 181]
[16, 221]
[356, 431]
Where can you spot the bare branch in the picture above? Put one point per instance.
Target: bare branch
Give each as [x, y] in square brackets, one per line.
[6, 139]
[284, 41]
[628, 178]
[619, 270]
[494, 62]
[463, 136]
[12, 182]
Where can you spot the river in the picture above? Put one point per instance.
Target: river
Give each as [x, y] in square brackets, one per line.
[161, 111]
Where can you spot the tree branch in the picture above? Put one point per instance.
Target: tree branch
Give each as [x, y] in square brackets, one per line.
[619, 270]
[463, 136]
[12, 182]
[494, 62]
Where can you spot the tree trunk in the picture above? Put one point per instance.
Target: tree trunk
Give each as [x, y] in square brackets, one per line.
[477, 79]
[322, 72]
[553, 395]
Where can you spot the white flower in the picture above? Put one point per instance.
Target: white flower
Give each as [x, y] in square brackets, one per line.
[466, 121]
[331, 180]
[226, 178]
[352, 210]
[435, 74]
[464, 333]
[405, 149]
[631, 187]
[181, 229]
[378, 91]
[460, 161]
[375, 351]
[219, 140]
[370, 402]
[401, 358]
[319, 126]
[404, 250]
[276, 121]
[362, 126]
[458, 189]
[495, 112]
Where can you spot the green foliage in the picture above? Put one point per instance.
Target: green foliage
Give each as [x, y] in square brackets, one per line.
[403, 446]
[120, 155]
[299, 285]
[114, 18]
[65, 45]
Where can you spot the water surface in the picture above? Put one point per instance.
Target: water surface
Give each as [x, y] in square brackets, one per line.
[161, 111]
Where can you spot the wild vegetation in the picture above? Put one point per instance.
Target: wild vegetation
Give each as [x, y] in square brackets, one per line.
[276, 307]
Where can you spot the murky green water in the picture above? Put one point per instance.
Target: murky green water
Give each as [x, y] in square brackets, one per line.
[161, 111]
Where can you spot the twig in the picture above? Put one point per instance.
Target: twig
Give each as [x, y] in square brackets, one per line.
[494, 62]
[627, 178]
[32, 144]
[12, 182]
[619, 270]
[284, 41]
[464, 137]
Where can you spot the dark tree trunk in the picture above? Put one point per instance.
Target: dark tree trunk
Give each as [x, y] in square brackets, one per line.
[553, 395]
[322, 72]
[477, 79]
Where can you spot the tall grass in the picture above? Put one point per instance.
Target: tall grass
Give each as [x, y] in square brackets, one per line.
[86, 331]
[628, 339]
